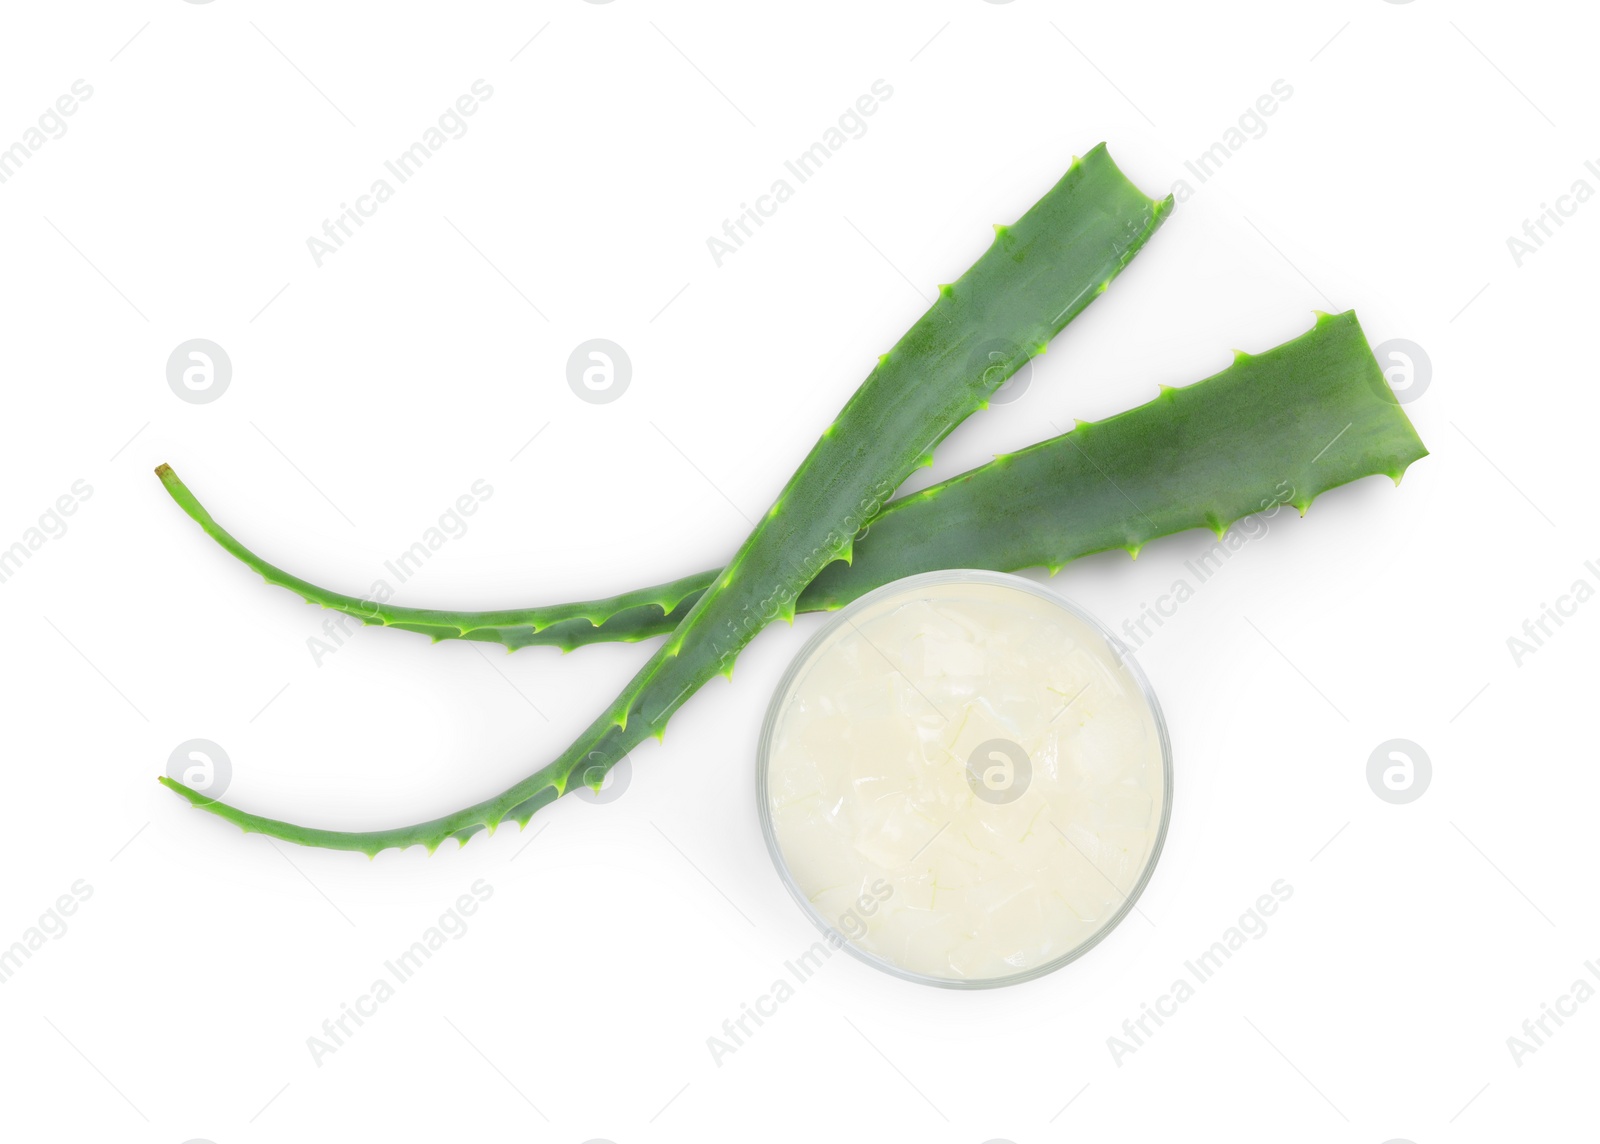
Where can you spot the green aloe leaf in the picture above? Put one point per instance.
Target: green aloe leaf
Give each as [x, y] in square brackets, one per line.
[520, 627]
[1307, 416]
[1034, 278]
[1282, 426]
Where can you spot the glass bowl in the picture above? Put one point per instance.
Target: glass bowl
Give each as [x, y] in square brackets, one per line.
[1069, 770]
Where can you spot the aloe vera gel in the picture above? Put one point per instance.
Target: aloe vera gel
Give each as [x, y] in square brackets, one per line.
[964, 780]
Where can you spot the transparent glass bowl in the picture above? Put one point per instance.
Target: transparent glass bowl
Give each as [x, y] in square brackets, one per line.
[911, 588]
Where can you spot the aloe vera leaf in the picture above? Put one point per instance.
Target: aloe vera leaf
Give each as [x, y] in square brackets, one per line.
[1197, 457]
[565, 625]
[1034, 278]
[1285, 425]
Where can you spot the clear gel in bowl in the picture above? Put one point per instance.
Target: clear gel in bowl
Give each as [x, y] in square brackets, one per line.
[964, 779]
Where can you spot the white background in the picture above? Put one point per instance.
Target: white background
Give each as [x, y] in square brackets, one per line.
[369, 393]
